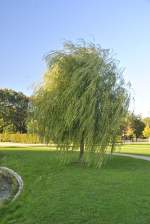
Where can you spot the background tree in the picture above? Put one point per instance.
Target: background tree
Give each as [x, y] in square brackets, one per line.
[32, 126]
[130, 133]
[146, 132]
[13, 111]
[81, 100]
[126, 131]
[137, 125]
[146, 121]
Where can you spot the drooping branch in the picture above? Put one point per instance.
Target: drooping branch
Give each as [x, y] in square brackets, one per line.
[82, 90]
[81, 148]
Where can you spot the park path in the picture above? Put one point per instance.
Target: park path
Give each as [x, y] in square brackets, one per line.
[12, 144]
[132, 156]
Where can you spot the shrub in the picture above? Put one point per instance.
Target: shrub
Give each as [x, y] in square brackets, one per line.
[19, 138]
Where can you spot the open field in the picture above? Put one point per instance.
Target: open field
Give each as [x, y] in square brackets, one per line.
[143, 149]
[68, 194]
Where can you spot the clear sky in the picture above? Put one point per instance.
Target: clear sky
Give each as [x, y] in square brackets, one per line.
[29, 29]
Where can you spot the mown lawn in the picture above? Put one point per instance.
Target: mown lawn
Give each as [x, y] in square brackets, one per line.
[143, 149]
[119, 193]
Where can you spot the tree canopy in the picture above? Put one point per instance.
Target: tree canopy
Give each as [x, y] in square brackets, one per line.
[137, 125]
[133, 125]
[13, 110]
[146, 132]
[146, 121]
[81, 100]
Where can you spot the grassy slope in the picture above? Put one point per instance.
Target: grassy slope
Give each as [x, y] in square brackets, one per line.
[58, 194]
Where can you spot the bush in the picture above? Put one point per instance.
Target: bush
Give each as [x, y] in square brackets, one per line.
[19, 138]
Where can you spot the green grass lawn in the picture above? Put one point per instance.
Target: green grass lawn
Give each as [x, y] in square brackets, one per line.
[118, 193]
[143, 149]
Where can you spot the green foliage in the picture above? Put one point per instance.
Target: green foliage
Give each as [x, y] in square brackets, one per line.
[126, 130]
[9, 128]
[1, 122]
[19, 138]
[133, 126]
[146, 121]
[13, 111]
[130, 132]
[81, 100]
[137, 125]
[32, 126]
[146, 132]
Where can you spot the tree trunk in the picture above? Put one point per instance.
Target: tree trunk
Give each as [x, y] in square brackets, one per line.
[81, 148]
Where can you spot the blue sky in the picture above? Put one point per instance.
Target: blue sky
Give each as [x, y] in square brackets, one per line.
[29, 29]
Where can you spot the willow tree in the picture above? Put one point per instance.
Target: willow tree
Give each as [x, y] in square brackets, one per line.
[81, 101]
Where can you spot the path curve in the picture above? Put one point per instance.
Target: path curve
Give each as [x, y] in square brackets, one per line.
[147, 158]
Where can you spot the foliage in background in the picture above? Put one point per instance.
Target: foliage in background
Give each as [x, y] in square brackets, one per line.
[133, 126]
[125, 128]
[19, 138]
[32, 126]
[146, 121]
[137, 125]
[13, 111]
[81, 100]
[130, 132]
[146, 132]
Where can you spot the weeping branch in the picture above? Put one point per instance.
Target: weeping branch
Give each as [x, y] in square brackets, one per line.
[83, 89]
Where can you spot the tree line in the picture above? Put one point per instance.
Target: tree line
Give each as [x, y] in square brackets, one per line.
[15, 117]
[134, 127]
[13, 111]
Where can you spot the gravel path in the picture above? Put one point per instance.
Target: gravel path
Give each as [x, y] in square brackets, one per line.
[10, 144]
[133, 156]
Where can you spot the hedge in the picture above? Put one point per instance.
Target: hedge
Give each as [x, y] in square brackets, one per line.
[19, 138]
